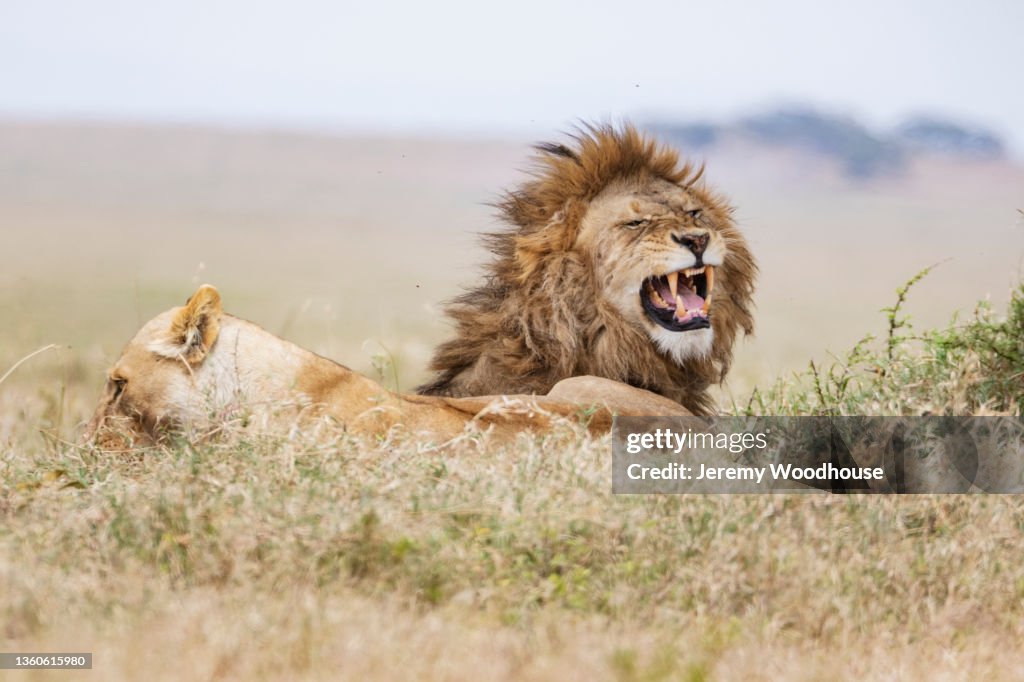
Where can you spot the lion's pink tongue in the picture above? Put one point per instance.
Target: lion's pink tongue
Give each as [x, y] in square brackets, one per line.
[690, 299]
[686, 301]
[688, 305]
[692, 304]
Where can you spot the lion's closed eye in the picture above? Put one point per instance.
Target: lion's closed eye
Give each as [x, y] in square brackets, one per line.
[117, 385]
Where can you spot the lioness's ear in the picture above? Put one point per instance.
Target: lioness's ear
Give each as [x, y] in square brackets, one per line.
[193, 329]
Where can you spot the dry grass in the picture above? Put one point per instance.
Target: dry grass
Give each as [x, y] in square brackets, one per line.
[317, 557]
[306, 554]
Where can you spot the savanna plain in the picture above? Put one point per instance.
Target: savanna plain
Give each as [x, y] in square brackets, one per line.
[310, 554]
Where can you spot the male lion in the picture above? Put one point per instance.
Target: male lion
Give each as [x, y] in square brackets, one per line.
[190, 367]
[617, 264]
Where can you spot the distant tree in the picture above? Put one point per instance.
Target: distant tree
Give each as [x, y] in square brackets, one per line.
[861, 153]
[945, 137]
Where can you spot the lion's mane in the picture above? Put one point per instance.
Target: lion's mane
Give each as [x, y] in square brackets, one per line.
[539, 316]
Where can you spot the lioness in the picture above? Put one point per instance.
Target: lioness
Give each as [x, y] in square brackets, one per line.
[190, 366]
[617, 261]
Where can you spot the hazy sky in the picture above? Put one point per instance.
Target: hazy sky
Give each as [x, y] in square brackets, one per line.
[533, 64]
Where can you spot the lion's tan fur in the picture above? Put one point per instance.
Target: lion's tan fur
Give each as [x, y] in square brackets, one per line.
[191, 367]
[560, 298]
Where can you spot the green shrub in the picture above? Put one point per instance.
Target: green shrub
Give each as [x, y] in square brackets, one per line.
[972, 367]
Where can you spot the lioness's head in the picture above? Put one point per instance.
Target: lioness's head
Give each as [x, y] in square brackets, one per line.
[161, 379]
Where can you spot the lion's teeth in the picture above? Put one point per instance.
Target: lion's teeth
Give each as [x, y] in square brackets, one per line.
[673, 282]
[707, 304]
[710, 275]
[680, 306]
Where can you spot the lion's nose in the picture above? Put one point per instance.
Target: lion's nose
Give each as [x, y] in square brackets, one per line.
[694, 242]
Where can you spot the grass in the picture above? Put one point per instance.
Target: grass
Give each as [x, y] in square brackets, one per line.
[313, 555]
[970, 367]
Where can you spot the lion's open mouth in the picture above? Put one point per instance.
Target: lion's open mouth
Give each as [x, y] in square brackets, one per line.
[679, 301]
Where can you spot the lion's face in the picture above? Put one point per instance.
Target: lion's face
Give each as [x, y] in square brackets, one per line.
[162, 378]
[655, 247]
[141, 393]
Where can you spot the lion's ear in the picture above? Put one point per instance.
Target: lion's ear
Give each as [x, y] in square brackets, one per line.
[193, 329]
